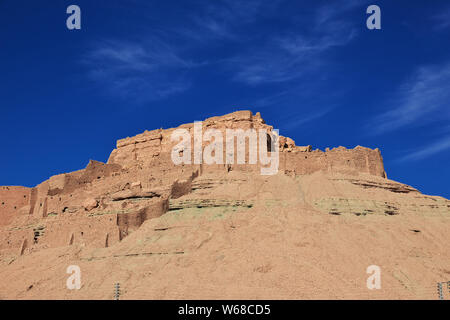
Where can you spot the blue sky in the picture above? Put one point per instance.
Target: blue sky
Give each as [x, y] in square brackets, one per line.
[312, 69]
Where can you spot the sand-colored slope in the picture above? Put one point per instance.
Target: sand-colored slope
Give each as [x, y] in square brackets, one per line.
[243, 236]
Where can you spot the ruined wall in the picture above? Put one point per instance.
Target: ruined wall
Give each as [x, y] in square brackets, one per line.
[12, 239]
[62, 192]
[13, 199]
[102, 203]
[142, 149]
[89, 230]
[342, 160]
[132, 221]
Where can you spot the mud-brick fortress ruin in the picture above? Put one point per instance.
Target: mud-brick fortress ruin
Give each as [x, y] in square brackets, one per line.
[101, 204]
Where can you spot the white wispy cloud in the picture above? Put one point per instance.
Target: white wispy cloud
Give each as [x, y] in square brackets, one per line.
[423, 98]
[309, 106]
[142, 71]
[152, 69]
[442, 20]
[222, 19]
[333, 11]
[296, 121]
[285, 57]
[440, 145]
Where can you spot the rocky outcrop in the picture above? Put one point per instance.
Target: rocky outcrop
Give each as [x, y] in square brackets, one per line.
[139, 181]
[208, 203]
[141, 220]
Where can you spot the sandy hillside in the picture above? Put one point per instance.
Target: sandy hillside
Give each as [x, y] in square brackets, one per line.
[225, 231]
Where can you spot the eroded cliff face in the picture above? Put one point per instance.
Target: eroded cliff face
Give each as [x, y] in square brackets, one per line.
[142, 149]
[101, 205]
[221, 217]
[108, 200]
